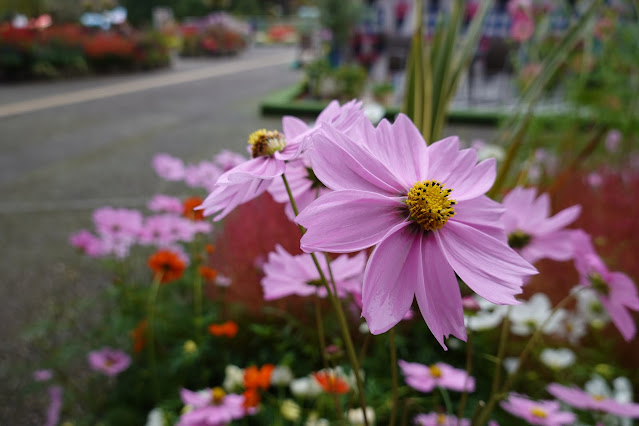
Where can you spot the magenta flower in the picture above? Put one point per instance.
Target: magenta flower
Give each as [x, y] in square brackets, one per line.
[210, 407]
[270, 150]
[118, 229]
[168, 167]
[109, 361]
[546, 413]
[286, 275]
[55, 406]
[42, 375]
[616, 290]
[425, 210]
[426, 378]
[532, 232]
[578, 398]
[87, 243]
[165, 204]
[439, 419]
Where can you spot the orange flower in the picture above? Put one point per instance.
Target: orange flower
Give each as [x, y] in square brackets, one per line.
[188, 205]
[331, 383]
[138, 334]
[258, 377]
[251, 398]
[208, 273]
[210, 248]
[228, 329]
[167, 264]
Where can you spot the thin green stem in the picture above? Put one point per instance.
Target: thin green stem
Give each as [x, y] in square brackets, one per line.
[337, 306]
[446, 397]
[469, 368]
[393, 366]
[153, 295]
[320, 333]
[197, 305]
[503, 337]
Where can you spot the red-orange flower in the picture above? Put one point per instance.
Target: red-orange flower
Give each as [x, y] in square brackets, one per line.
[210, 248]
[167, 264]
[208, 273]
[227, 329]
[251, 398]
[255, 378]
[189, 205]
[138, 334]
[331, 383]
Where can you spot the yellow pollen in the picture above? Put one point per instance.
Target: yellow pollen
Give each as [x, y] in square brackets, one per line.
[266, 142]
[538, 412]
[429, 204]
[218, 395]
[435, 371]
[441, 419]
[598, 397]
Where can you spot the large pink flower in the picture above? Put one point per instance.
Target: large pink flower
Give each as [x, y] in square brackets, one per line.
[286, 275]
[583, 400]
[616, 290]
[270, 151]
[532, 232]
[210, 407]
[425, 378]
[545, 413]
[425, 210]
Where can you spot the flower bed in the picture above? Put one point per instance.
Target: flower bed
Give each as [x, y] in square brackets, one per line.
[216, 34]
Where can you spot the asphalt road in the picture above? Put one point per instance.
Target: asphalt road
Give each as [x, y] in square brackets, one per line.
[69, 147]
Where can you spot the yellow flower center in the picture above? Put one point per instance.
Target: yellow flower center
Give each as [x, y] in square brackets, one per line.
[538, 412]
[598, 397]
[266, 142]
[435, 371]
[441, 419]
[218, 395]
[429, 204]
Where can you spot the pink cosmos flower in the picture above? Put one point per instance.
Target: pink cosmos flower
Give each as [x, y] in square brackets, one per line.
[613, 139]
[118, 229]
[270, 151]
[439, 419]
[55, 406]
[87, 243]
[578, 398]
[165, 204]
[210, 407]
[532, 232]
[42, 375]
[426, 378]
[167, 229]
[168, 167]
[109, 361]
[425, 210]
[286, 275]
[546, 413]
[228, 159]
[202, 175]
[616, 290]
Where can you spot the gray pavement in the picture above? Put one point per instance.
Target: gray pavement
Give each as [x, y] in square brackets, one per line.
[59, 163]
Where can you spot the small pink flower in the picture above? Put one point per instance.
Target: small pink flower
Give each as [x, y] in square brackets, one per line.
[424, 209]
[616, 290]
[594, 179]
[42, 375]
[578, 398]
[228, 159]
[546, 413]
[439, 419]
[530, 229]
[55, 406]
[87, 243]
[210, 407]
[522, 27]
[168, 167]
[165, 204]
[426, 378]
[613, 139]
[202, 175]
[109, 361]
[118, 229]
[287, 275]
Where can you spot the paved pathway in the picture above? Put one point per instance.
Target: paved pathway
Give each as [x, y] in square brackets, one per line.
[69, 147]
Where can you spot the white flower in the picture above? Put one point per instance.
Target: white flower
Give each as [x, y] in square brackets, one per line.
[314, 420]
[621, 392]
[488, 317]
[363, 328]
[589, 306]
[530, 315]
[574, 328]
[305, 387]
[510, 364]
[233, 379]
[490, 151]
[222, 280]
[356, 416]
[557, 358]
[281, 375]
[155, 417]
[290, 410]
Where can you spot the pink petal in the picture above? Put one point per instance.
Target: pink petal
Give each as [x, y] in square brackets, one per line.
[348, 221]
[439, 299]
[488, 266]
[475, 182]
[556, 246]
[417, 376]
[560, 220]
[224, 199]
[255, 168]
[481, 213]
[342, 164]
[393, 272]
[621, 318]
[293, 127]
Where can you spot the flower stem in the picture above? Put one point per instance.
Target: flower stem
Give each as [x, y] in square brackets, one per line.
[153, 295]
[337, 306]
[469, 367]
[197, 305]
[322, 341]
[447, 402]
[393, 366]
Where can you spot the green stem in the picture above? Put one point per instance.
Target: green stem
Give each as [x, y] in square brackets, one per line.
[447, 402]
[153, 295]
[197, 305]
[337, 306]
[469, 367]
[320, 333]
[503, 337]
[393, 358]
